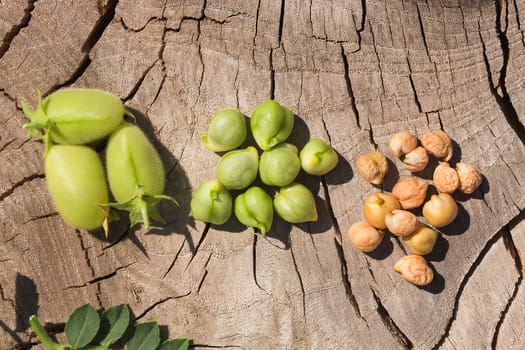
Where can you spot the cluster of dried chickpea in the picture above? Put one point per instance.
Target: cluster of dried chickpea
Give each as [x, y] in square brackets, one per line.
[392, 211]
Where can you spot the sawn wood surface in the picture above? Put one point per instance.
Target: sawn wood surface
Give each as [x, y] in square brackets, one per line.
[353, 72]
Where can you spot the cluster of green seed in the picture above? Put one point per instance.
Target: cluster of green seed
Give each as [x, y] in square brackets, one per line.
[278, 165]
[72, 121]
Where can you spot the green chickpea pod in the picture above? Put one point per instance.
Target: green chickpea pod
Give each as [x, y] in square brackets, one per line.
[271, 124]
[295, 204]
[211, 202]
[254, 208]
[238, 169]
[280, 165]
[318, 158]
[227, 130]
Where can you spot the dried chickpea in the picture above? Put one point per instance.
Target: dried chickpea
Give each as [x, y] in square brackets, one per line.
[401, 143]
[445, 178]
[438, 144]
[376, 206]
[410, 192]
[372, 166]
[414, 269]
[422, 240]
[401, 222]
[440, 210]
[416, 160]
[364, 236]
[469, 178]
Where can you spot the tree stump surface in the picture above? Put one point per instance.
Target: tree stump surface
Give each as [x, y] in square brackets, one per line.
[353, 72]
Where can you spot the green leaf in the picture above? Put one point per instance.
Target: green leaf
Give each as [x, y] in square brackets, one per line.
[113, 324]
[175, 344]
[146, 336]
[82, 326]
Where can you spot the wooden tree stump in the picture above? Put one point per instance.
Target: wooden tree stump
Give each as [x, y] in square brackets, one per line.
[353, 72]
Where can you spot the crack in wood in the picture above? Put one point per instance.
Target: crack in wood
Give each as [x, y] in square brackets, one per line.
[301, 284]
[174, 258]
[349, 88]
[15, 30]
[518, 22]
[513, 251]
[203, 236]
[5, 145]
[256, 31]
[40, 217]
[503, 99]
[281, 22]
[93, 37]
[338, 240]
[160, 58]
[201, 282]
[100, 278]
[391, 326]
[514, 176]
[10, 98]
[422, 28]
[100, 26]
[363, 17]
[20, 183]
[208, 346]
[411, 79]
[90, 267]
[159, 302]
[254, 262]
[490, 243]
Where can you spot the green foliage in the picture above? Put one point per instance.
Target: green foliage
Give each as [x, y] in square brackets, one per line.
[175, 344]
[114, 323]
[82, 326]
[86, 329]
[146, 336]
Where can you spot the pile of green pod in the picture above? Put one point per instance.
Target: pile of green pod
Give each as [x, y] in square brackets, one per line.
[276, 163]
[74, 120]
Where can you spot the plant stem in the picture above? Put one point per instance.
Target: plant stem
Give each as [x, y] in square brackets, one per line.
[42, 335]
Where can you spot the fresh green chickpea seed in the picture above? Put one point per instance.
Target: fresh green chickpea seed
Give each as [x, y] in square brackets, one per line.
[280, 165]
[295, 204]
[254, 208]
[136, 175]
[76, 182]
[238, 169]
[75, 116]
[211, 202]
[227, 130]
[271, 124]
[318, 158]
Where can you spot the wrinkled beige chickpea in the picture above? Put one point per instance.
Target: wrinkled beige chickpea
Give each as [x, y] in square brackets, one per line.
[469, 178]
[440, 210]
[401, 143]
[372, 166]
[445, 178]
[414, 269]
[410, 192]
[422, 240]
[416, 160]
[401, 222]
[364, 236]
[376, 206]
[438, 144]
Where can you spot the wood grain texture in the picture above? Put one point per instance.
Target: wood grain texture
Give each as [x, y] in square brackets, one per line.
[353, 72]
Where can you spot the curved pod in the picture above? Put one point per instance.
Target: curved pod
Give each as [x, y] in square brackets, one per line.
[75, 116]
[135, 173]
[76, 182]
